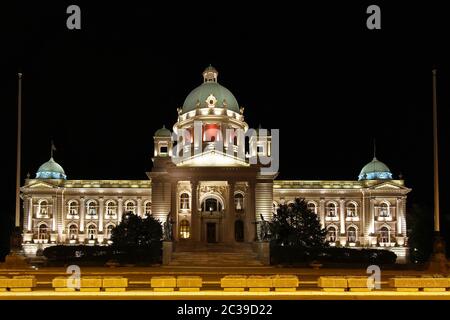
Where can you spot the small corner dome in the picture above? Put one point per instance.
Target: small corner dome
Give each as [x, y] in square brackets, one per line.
[210, 87]
[375, 170]
[51, 170]
[163, 133]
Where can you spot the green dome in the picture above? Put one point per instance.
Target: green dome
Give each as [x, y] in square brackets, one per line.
[163, 133]
[375, 170]
[51, 170]
[210, 86]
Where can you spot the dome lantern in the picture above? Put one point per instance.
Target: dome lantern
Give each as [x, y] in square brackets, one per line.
[210, 74]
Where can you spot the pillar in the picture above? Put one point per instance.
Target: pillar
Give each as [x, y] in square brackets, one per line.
[342, 216]
[119, 209]
[101, 213]
[30, 214]
[250, 215]
[322, 212]
[399, 215]
[230, 217]
[139, 207]
[174, 207]
[195, 214]
[54, 212]
[82, 211]
[372, 216]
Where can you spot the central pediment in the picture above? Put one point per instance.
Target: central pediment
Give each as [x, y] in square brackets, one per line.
[212, 158]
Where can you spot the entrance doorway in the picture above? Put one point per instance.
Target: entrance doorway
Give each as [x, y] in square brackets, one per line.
[211, 232]
[239, 230]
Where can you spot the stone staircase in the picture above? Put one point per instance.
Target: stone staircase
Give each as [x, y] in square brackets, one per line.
[215, 254]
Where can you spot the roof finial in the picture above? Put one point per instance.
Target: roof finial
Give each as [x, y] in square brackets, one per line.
[374, 149]
[52, 148]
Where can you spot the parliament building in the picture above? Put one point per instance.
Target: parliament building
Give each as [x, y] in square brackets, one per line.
[210, 183]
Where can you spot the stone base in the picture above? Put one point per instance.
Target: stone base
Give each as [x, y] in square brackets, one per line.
[15, 261]
[65, 289]
[20, 289]
[163, 289]
[189, 289]
[167, 252]
[263, 251]
[407, 289]
[286, 289]
[234, 289]
[333, 289]
[89, 289]
[259, 289]
[360, 290]
[434, 289]
[115, 289]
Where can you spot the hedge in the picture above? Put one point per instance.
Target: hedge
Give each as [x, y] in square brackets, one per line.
[99, 255]
[296, 254]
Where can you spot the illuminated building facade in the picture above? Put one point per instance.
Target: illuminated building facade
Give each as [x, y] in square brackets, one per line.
[207, 181]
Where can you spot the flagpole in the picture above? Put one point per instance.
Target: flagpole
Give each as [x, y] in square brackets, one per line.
[438, 259]
[19, 147]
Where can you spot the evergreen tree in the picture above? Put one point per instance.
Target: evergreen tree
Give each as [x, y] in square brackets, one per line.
[296, 225]
[135, 231]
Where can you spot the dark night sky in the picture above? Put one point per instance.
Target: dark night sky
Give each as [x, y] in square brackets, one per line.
[314, 71]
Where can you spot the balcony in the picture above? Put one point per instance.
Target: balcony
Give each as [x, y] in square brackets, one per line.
[331, 218]
[42, 212]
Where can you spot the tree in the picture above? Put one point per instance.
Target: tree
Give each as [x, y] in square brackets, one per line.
[296, 225]
[136, 232]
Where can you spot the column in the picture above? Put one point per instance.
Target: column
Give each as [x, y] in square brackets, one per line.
[82, 210]
[372, 216]
[119, 209]
[101, 214]
[139, 207]
[342, 216]
[174, 208]
[30, 214]
[322, 212]
[250, 215]
[399, 215]
[195, 218]
[54, 213]
[230, 217]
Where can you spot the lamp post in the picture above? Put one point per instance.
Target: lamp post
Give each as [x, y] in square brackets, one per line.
[438, 260]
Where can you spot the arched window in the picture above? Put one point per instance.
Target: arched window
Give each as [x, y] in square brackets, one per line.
[92, 208]
[312, 207]
[331, 210]
[130, 207]
[211, 205]
[239, 202]
[331, 234]
[148, 208]
[184, 201]
[184, 229]
[73, 208]
[385, 236]
[73, 232]
[384, 209]
[351, 210]
[109, 230]
[111, 208]
[92, 232]
[351, 234]
[43, 207]
[43, 232]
